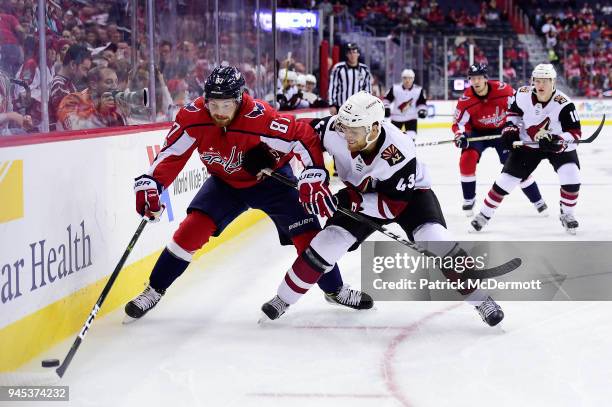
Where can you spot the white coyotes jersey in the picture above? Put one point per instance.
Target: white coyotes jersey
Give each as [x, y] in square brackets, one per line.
[404, 103]
[558, 115]
[395, 161]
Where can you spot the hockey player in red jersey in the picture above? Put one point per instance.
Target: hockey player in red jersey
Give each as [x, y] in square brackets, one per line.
[481, 111]
[548, 117]
[385, 182]
[235, 136]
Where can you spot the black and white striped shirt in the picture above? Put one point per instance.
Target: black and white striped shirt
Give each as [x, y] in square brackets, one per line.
[346, 80]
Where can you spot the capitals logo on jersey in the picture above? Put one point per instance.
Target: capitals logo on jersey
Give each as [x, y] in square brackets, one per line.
[230, 165]
[392, 155]
[258, 110]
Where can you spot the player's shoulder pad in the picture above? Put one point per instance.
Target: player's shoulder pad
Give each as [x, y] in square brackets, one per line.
[524, 89]
[192, 113]
[561, 98]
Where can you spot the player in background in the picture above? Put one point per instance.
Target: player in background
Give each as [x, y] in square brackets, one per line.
[384, 182]
[404, 102]
[233, 134]
[481, 111]
[549, 117]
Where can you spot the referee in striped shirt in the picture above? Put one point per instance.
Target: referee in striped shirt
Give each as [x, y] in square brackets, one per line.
[348, 78]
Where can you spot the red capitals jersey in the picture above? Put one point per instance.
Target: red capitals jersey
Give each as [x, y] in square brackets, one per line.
[483, 114]
[221, 149]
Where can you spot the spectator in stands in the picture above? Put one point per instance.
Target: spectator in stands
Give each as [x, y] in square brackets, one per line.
[509, 72]
[96, 106]
[11, 122]
[167, 65]
[75, 66]
[11, 35]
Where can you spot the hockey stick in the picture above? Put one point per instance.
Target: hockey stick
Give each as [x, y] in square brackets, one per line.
[473, 274]
[581, 141]
[478, 138]
[77, 342]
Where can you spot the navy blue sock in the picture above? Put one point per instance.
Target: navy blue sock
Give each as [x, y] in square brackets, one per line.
[469, 189]
[533, 193]
[167, 269]
[331, 281]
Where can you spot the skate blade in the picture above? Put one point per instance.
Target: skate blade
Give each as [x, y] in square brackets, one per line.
[263, 319]
[128, 320]
[468, 212]
[571, 231]
[544, 213]
[472, 230]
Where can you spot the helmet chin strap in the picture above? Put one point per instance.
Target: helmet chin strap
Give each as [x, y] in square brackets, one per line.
[369, 131]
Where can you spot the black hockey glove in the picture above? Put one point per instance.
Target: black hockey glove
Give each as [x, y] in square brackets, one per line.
[461, 140]
[550, 143]
[259, 157]
[350, 199]
[510, 134]
[387, 111]
[422, 113]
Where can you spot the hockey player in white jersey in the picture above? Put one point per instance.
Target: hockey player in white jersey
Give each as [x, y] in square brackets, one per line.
[386, 183]
[404, 102]
[546, 115]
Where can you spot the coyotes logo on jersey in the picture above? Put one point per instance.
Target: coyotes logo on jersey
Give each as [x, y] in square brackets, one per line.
[534, 131]
[406, 105]
[392, 155]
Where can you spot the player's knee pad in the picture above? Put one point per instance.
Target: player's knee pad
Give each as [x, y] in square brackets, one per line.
[332, 243]
[571, 188]
[467, 162]
[193, 233]
[505, 183]
[569, 174]
[434, 237]
[302, 241]
[527, 182]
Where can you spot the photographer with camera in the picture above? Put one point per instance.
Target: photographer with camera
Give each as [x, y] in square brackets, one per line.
[100, 105]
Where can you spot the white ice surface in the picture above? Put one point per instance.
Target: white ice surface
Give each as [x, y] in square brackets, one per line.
[202, 346]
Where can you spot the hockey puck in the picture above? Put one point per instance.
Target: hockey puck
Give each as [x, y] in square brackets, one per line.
[50, 363]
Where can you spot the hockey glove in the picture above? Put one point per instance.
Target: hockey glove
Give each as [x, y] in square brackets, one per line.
[549, 143]
[258, 158]
[350, 198]
[461, 140]
[422, 113]
[315, 196]
[510, 134]
[147, 191]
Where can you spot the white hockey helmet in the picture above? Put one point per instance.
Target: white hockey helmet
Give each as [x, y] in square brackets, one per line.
[362, 110]
[301, 80]
[408, 73]
[310, 78]
[544, 71]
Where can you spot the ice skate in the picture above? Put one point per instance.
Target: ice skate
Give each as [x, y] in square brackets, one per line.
[468, 207]
[490, 312]
[542, 208]
[142, 304]
[569, 223]
[348, 297]
[478, 223]
[273, 309]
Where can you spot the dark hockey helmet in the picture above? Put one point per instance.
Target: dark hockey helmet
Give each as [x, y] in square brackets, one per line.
[351, 46]
[478, 69]
[225, 82]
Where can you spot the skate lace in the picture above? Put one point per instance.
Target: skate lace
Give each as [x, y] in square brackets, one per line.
[278, 304]
[480, 218]
[349, 296]
[488, 307]
[568, 217]
[147, 299]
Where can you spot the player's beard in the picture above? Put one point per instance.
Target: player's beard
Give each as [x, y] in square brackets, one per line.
[222, 121]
